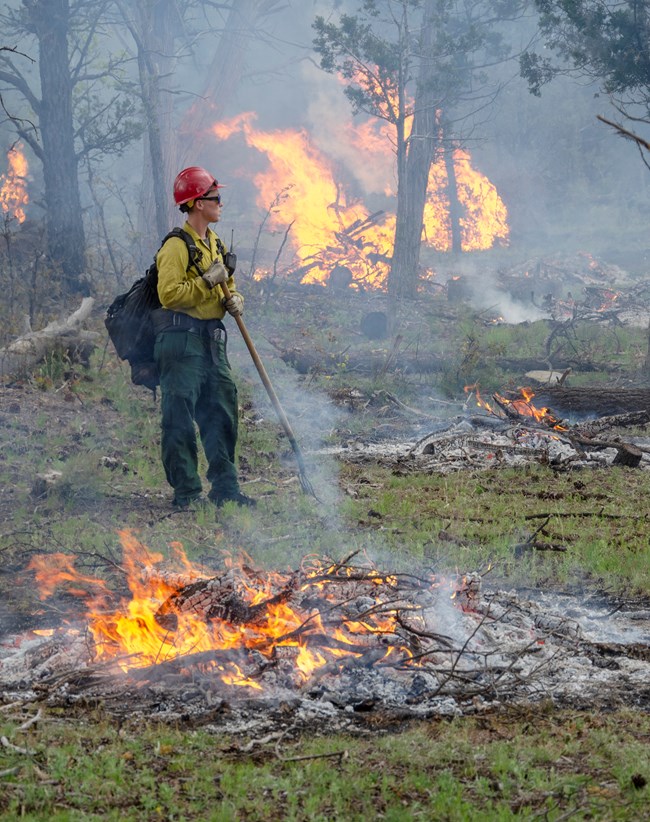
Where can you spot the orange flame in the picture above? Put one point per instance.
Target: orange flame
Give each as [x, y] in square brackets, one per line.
[13, 189]
[523, 407]
[485, 218]
[327, 227]
[131, 632]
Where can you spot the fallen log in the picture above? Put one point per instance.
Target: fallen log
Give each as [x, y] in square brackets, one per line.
[598, 400]
[305, 362]
[631, 420]
[371, 362]
[25, 352]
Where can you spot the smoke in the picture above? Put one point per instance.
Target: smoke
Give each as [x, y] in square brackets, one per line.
[330, 122]
[480, 287]
[311, 415]
[487, 295]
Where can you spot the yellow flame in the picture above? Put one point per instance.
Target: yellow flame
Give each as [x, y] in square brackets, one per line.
[130, 632]
[327, 228]
[13, 187]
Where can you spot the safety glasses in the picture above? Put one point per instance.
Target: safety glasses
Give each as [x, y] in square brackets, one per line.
[216, 198]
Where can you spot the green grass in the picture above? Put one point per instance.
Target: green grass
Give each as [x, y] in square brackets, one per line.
[477, 519]
[482, 767]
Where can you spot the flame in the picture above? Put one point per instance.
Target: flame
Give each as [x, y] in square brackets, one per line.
[328, 228]
[13, 189]
[135, 632]
[521, 406]
[485, 218]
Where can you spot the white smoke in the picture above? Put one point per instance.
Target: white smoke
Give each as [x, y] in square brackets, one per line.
[330, 120]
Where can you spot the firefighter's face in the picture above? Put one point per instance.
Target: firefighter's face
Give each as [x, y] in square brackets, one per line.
[211, 204]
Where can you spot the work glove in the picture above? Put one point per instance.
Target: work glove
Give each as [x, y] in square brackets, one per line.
[234, 306]
[217, 274]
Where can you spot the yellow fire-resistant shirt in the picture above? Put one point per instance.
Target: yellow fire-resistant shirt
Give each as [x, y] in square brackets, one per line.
[186, 291]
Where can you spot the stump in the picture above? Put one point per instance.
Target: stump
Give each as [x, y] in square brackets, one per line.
[374, 325]
[628, 455]
[340, 278]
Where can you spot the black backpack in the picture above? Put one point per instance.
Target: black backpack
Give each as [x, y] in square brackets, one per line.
[129, 323]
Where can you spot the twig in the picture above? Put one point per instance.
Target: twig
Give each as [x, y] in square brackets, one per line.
[272, 737]
[335, 754]
[15, 748]
[408, 408]
[31, 721]
[10, 706]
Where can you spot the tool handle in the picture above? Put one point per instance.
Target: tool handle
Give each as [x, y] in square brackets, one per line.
[262, 372]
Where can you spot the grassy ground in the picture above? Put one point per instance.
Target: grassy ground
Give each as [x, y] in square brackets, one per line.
[525, 764]
[591, 520]
[101, 434]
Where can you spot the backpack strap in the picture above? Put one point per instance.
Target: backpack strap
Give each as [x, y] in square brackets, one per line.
[193, 251]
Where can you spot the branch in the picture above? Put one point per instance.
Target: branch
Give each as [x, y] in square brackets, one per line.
[623, 132]
[29, 138]
[20, 84]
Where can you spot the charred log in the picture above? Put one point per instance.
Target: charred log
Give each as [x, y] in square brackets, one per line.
[306, 362]
[633, 419]
[320, 362]
[215, 598]
[594, 400]
[160, 671]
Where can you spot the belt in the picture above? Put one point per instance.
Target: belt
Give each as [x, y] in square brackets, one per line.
[166, 320]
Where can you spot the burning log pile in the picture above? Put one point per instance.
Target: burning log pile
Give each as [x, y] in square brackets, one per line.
[328, 642]
[348, 244]
[514, 432]
[579, 287]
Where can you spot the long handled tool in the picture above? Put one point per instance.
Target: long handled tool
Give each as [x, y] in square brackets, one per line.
[302, 472]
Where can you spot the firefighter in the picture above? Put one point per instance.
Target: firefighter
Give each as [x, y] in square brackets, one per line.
[196, 382]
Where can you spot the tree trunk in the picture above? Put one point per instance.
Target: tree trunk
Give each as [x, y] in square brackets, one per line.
[222, 81]
[155, 180]
[153, 32]
[455, 210]
[413, 178]
[64, 225]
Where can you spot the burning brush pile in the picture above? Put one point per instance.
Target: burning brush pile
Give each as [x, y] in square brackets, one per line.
[329, 641]
[510, 431]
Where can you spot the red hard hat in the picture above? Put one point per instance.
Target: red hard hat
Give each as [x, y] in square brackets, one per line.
[191, 183]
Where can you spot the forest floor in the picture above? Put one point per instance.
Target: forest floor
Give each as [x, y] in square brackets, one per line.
[530, 759]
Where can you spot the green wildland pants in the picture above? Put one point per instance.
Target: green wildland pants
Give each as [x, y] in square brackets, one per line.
[197, 386]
